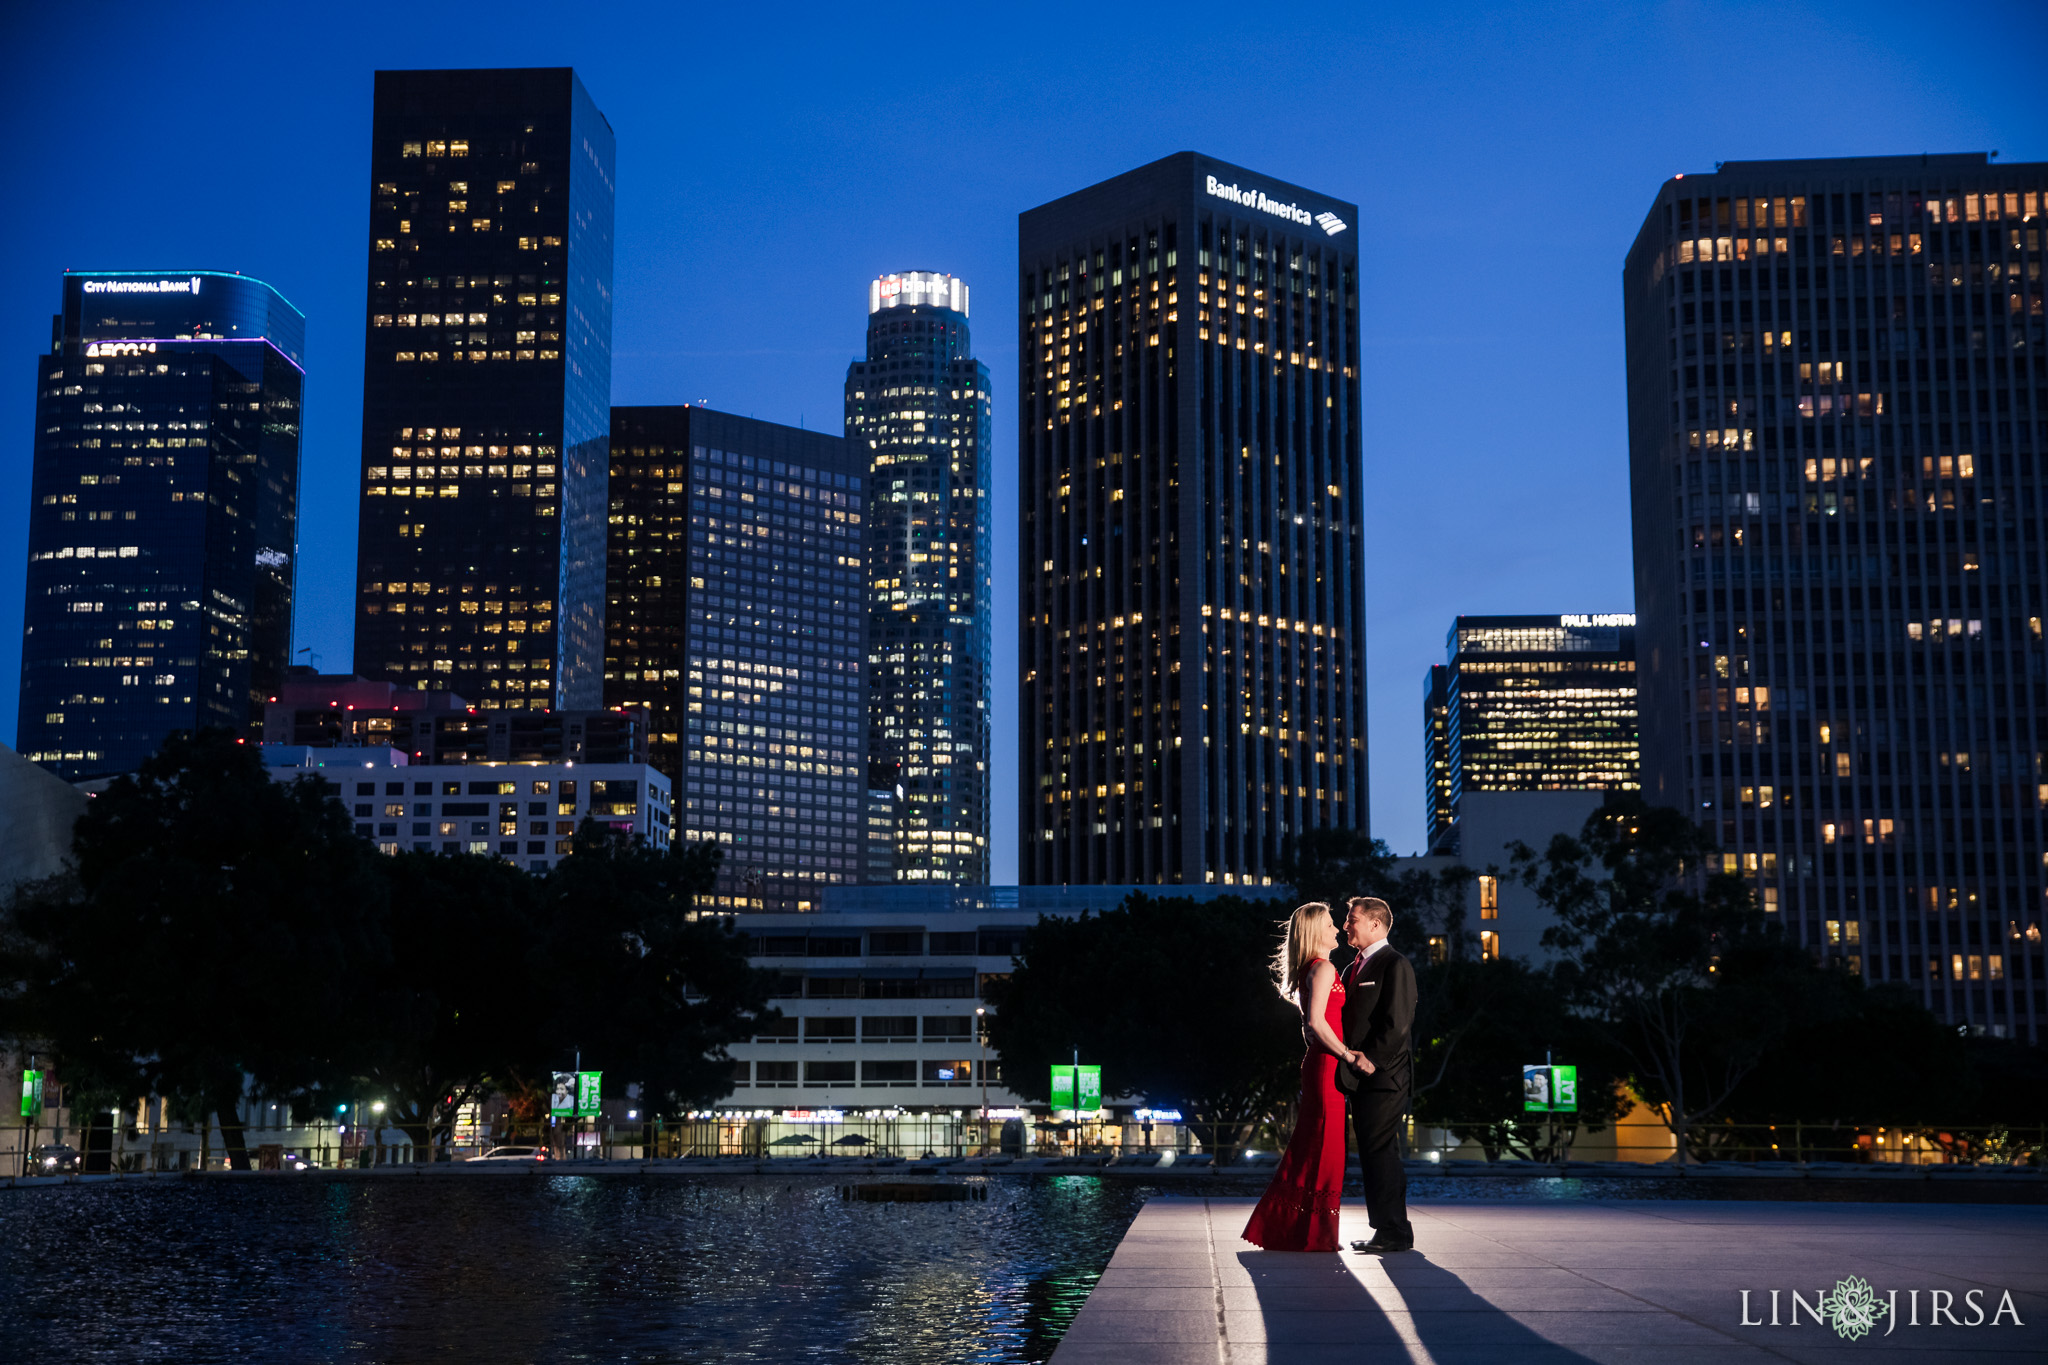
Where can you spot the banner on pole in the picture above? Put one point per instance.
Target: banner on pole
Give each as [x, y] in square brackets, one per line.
[1548, 1089]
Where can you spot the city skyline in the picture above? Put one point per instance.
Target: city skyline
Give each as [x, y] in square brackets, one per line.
[1509, 510]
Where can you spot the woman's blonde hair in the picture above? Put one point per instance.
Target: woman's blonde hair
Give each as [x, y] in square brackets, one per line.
[1298, 947]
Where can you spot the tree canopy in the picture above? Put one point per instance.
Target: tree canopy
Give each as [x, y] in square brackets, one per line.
[1173, 997]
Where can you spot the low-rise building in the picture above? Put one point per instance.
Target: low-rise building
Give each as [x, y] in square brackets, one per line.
[881, 994]
[525, 813]
[431, 725]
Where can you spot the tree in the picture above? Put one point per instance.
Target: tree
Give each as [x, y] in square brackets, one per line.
[1870, 1055]
[1668, 961]
[456, 1004]
[1487, 1020]
[1174, 998]
[629, 974]
[1333, 865]
[217, 926]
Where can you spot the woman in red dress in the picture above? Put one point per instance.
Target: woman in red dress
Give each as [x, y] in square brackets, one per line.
[1299, 1210]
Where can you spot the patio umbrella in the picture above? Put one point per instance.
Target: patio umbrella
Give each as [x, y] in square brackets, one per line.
[852, 1140]
[792, 1140]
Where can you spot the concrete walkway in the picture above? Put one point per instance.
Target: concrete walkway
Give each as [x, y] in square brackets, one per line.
[1623, 1281]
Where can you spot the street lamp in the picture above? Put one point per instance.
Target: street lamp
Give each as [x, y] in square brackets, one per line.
[981, 1036]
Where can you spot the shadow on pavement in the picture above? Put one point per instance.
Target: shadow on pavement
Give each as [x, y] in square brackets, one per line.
[1316, 1307]
[1452, 1321]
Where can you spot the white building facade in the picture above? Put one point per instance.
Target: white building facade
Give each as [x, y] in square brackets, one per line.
[524, 813]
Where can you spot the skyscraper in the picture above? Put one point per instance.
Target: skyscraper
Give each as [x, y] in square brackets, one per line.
[734, 597]
[1438, 805]
[1835, 427]
[1532, 704]
[917, 409]
[164, 517]
[486, 387]
[1193, 595]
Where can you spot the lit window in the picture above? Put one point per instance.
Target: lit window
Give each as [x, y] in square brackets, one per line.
[1489, 897]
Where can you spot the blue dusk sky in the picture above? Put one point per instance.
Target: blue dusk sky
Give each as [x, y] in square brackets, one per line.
[771, 161]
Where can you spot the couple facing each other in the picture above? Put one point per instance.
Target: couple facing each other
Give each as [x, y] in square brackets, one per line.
[1356, 1025]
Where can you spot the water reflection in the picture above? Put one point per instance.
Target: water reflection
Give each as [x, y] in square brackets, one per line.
[555, 1267]
[566, 1267]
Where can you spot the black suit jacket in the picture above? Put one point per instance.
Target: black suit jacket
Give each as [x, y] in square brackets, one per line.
[1379, 1016]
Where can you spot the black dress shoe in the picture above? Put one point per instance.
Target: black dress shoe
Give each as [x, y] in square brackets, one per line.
[1379, 1246]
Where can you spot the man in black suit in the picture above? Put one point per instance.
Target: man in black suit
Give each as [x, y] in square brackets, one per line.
[1379, 1013]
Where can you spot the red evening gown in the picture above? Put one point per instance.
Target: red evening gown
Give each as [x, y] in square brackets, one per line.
[1299, 1210]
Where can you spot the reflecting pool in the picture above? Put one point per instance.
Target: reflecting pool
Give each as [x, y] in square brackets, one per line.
[555, 1267]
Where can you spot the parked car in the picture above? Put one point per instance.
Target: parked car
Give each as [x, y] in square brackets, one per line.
[513, 1154]
[54, 1158]
[292, 1161]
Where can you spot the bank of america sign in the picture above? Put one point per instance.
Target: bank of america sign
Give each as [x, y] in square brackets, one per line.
[1330, 223]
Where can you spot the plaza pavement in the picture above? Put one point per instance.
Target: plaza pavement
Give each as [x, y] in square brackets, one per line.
[1551, 1282]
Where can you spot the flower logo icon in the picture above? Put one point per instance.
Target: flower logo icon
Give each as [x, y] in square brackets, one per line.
[1853, 1309]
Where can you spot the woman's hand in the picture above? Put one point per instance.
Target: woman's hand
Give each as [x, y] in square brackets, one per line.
[1361, 1061]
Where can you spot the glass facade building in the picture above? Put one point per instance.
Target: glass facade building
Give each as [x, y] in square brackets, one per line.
[1439, 807]
[1532, 704]
[1193, 599]
[735, 607]
[917, 409]
[163, 522]
[1836, 428]
[486, 387]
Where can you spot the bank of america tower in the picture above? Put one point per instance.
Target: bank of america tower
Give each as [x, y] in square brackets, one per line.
[1836, 428]
[1192, 596]
[917, 408]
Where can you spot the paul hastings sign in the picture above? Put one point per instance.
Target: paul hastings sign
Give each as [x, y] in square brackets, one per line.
[1854, 1309]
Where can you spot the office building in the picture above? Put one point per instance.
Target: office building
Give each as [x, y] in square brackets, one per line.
[917, 409]
[163, 519]
[524, 813]
[735, 604]
[486, 387]
[1192, 643]
[1439, 810]
[1532, 704]
[328, 711]
[1836, 426]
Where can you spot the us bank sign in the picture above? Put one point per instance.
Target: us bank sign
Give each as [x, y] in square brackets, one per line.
[1330, 223]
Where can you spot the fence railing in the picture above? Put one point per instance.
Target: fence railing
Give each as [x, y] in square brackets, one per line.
[52, 1148]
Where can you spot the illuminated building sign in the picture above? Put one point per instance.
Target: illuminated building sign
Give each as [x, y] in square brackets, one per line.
[917, 288]
[1330, 223]
[120, 348]
[185, 286]
[1615, 619]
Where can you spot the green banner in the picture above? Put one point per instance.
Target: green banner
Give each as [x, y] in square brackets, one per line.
[1089, 1097]
[589, 1093]
[31, 1094]
[1077, 1087]
[1548, 1089]
[562, 1095]
[1063, 1087]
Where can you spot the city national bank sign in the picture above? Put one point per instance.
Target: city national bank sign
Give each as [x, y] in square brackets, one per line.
[1330, 223]
[188, 286]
